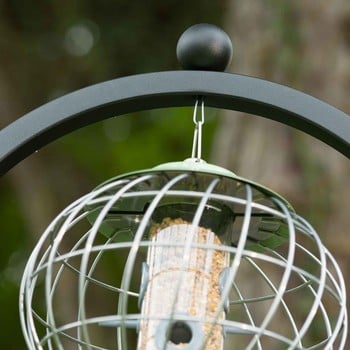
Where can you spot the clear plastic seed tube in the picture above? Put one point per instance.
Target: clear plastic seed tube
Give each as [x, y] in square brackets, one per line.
[183, 292]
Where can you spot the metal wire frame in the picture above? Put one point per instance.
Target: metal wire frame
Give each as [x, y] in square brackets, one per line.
[322, 282]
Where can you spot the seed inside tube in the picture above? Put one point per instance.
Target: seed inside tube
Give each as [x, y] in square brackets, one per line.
[182, 287]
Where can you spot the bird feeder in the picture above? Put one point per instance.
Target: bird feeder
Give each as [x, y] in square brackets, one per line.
[184, 234]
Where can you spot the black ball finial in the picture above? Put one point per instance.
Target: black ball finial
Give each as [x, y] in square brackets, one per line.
[204, 47]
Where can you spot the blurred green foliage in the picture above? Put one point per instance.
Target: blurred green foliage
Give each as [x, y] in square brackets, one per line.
[50, 48]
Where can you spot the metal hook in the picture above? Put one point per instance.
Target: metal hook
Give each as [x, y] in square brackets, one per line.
[197, 136]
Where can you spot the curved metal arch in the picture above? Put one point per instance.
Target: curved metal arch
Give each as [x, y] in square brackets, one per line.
[170, 89]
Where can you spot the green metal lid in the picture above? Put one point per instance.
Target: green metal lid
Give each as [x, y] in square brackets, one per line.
[201, 166]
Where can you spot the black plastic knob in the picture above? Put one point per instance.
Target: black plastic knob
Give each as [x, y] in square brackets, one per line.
[204, 47]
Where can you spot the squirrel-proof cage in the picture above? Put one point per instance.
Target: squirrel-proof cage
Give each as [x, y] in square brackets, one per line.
[200, 259]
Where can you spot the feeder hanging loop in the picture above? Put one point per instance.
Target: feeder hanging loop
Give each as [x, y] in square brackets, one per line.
[197, 136]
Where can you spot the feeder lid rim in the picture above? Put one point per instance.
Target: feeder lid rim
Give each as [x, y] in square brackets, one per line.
[201, 166]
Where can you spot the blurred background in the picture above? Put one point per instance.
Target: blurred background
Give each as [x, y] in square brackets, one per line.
[51, 48]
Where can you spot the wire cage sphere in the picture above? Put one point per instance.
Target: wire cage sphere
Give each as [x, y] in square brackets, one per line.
[184, 255]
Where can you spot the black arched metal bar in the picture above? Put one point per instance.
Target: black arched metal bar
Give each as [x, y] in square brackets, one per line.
[171, 89]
